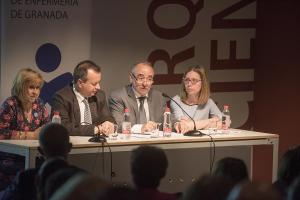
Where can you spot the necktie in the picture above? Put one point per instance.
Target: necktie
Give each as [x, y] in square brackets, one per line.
[142, 113]
[87, 112]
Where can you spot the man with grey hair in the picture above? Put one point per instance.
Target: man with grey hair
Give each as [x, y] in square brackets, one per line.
[146, 105]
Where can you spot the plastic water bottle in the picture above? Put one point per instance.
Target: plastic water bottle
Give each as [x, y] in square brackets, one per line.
[167, 125]
[225, 117]
[56, 117]
[126, 124]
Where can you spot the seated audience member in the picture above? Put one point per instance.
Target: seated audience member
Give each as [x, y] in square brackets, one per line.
[148, 166]
[253, 191]
[21, 117]
[288, 170]
[48, 168]
[53, 142]
[146, 105]
[294, 190]
[119, 193]
[57, 179]
[208, 187]
[195, 99]
[81, 186]
[82, 104]
[233, 169]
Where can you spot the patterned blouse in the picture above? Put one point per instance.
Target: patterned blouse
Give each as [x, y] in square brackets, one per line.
[12, 118]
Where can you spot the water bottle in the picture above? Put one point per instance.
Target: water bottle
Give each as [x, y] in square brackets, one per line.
[225, 117]
[167, 125]
[56, 118]
[126, 124]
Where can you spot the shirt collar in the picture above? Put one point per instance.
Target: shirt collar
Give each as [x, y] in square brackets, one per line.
[78, 95]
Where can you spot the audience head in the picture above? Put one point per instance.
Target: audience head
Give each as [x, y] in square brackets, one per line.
[81, 186]
[253, 191]
[87, 77]
[148, 166]
[294, 190]
[54, 141]
[289, 166]
[233, 169]
[208, 187]
[119, 193]
[195, 82]
[141, 77]
[49, 167]
[58, 178]
[27, 86]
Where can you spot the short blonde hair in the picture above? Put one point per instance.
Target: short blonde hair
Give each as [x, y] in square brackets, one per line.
[22, 81]
[204, 93]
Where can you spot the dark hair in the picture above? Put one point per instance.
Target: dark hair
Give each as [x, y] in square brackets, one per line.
[58, 178]
[289, 165]
[49, 167]
[81, 70]
[233, 169]
[208, 187]
[148, 166]
[54, 140]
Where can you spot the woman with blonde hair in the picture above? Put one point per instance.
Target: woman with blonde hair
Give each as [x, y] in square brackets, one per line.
[195, 100]
[21, 116]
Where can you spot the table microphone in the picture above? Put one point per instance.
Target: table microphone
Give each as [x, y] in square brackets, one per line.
[99, 137]
[194, 132]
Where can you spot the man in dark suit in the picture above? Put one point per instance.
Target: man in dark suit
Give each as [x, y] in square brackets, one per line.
[139, 96]
[82, 105]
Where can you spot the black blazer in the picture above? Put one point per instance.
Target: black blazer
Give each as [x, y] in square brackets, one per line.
[66, 103]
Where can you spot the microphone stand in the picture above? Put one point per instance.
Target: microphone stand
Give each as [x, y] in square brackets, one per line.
[99, 138]
[194, 132]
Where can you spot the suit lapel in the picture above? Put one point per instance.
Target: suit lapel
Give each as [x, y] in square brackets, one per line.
[150, 105]
[76, 113]
[132, 102]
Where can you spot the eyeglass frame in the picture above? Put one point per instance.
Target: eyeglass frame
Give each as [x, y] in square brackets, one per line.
[193, 81]
[141, 80]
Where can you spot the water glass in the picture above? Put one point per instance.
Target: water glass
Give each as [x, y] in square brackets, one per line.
[114, 135]
[155, 133]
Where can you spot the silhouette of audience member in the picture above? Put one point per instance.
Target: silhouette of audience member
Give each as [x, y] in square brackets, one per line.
[81, 186]
[57, 179]
[120, 193]
[288, 170]
[148, 166]
[253, 191]
[54, 142]
[49, 167]
[294, 190]
[208, 187]
[233, 169]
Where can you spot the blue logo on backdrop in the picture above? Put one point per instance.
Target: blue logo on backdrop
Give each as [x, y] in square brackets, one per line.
[48, 58]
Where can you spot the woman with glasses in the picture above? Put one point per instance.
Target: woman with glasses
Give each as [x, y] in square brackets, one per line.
[21, 117]
[195, 99]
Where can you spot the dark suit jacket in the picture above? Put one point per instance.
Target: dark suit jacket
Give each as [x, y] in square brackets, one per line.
[66, 103]
[125, 98]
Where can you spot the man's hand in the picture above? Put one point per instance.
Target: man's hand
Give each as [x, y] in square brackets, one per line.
[149, 126]
[106, 127]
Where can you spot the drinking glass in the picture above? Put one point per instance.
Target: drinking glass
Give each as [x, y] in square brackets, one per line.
[114, 135]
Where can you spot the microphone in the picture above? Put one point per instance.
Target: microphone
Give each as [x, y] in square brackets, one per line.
[194, 132]
[99, 137]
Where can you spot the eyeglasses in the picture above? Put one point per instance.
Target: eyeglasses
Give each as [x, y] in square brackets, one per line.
[142, 79]
[193, 80]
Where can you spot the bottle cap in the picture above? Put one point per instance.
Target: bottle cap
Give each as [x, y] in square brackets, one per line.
[226, 106]
[167, 109]
[126, 110]
[56, 112]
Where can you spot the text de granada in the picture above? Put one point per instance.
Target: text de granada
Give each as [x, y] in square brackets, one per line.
[46, 14]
